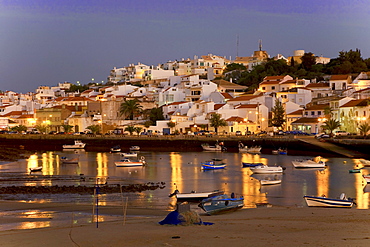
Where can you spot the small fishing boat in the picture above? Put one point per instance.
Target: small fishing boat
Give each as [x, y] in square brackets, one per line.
[251, 164]
[130, 154]
[264, 169]
[270, 182]
[251, 150]
[323, 201]
[134, 148]
[275, 151]
[125, 162]
[77, 145]
[66, 160]
[194, 196]
[214, 148]
[35, 169]
[309, 163]
[354, 171]
[367, 178]
[283, 151]
[213, 164]
[221, 203]
[115, 149]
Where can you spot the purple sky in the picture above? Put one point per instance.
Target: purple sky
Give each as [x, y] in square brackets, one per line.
[46, 42]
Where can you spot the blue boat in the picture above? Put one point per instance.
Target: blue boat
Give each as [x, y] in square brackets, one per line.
[221, 203]
[214, 164]
[248, 164]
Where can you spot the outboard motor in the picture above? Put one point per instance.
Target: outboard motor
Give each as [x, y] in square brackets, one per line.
[174, 193]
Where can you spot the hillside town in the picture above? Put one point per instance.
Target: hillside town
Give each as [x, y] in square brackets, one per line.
[188, 93]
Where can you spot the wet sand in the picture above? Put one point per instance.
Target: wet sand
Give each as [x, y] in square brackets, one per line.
[262, 226]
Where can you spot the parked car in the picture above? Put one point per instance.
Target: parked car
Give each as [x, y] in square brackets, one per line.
[341, 133]
[238, 133]
[322, 135]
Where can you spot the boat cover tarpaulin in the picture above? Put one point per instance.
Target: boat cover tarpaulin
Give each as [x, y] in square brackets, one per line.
[185, 218]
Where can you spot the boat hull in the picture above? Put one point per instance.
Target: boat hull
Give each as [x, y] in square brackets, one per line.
[316, 201]
[128, 164]
[266, 169]
[308, 164]
[221, 204]
[196, 196]
[270, 182]
[245, 164]
[367, 178]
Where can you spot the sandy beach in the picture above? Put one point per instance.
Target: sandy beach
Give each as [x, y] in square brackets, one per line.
[262, 226]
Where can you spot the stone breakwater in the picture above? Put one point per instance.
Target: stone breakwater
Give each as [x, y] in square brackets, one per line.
[103, 189]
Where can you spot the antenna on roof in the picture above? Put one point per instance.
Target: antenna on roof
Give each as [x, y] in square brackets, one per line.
[237, 45]
[260, 44]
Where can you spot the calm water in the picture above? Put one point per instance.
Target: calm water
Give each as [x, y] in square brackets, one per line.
[181, 170]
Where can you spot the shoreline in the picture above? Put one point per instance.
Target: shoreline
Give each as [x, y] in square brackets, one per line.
[272, 226]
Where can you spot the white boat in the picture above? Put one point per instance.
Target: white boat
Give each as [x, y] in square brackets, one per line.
[216, 147]
[77, 145]
[367, 178]
[130, 154]
[308, 163]
[221, 203]
[270, 182]
[322, 201]
[125, 162]
[115, 149]
[66, 160]
[35, 169]
[365, 162]
[264, 169]
[251, 150]
[194, 196]
[134, 148]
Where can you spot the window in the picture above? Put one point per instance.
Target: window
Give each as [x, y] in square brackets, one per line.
[263, 88]
[319, 113]
[273, 88]
[312, 113]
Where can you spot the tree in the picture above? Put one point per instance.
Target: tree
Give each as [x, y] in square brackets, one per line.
[331, 125]
[234, 66]
[19, 128]
[156, 114]
[129, 108]
[308, 60]
[364, 128]
[67, 128]
[171, 124]
[278, 115]
[216, 121]
[130, 129]
[138, 130]
[95, 129]
[42, 128]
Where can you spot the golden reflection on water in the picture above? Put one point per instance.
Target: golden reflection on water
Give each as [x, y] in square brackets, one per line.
[322, 181]
[176, 173]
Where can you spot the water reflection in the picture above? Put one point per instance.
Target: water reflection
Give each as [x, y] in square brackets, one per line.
[182, 171]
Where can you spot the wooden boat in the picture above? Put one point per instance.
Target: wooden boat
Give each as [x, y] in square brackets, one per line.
[367, 178]
[251, 150]
[264, 169]
[195, 196]
[115, 149]
[215, 148]
[221, 203]
[213, 164]
[365, 162]
[308, 163]
[270, 182]
[322, 201]
[125, 162]
[130, 154]
[134, 148]
[248, 164]
[77, 145]
[35, 169]
[66, 160]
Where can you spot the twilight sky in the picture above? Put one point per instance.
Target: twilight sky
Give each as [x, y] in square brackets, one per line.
[44, 42]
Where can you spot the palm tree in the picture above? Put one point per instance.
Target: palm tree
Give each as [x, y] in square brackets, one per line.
[130, 108]
[216, 121]
[331, 125]
[67, 128]
[138, 130]
[130, 129]
[95, 129]
[364, 128]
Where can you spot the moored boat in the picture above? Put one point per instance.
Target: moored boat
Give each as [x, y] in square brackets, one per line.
[134, 148]
[130, 154]
[35, 169]
[66, 160]
[323, 201]
[264, 169]
[221, 203]
[213, 164]
[115, 149]
[194, 196]
[308, 163]
[270, 182]
[251, 164]
[125, 162]
[77, 145]
[251, 150]
[365, 162]
[215, 148]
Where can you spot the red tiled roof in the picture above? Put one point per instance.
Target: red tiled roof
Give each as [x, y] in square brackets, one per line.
[235, 119]
[358, 102]
[316, 85]
[339, 77]
[244, 98]
[218, 106]
[317, 107]
[247, 106]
